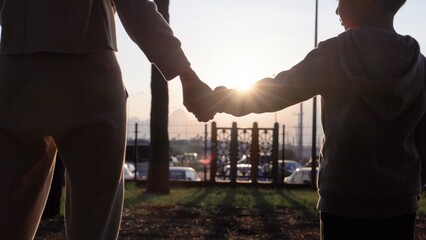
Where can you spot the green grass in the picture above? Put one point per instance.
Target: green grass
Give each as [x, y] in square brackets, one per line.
[422, 205]
[302, 200]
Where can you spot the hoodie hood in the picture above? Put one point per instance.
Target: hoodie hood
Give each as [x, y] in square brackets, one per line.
[385, 69]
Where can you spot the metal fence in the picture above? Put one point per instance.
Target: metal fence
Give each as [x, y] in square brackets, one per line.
[245, 155]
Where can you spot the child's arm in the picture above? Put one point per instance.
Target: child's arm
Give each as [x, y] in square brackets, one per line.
[264, 96]
[267, 95]
[311, 77]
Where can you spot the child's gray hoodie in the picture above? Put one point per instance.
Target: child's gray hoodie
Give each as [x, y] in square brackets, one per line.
[372, 103]
[372, 84]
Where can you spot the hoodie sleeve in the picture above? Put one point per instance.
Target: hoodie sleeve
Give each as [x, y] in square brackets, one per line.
[148, 29]
[308, 78]
[1, 10]
[420, 136]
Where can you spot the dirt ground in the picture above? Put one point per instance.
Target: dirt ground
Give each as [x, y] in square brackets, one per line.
[180, 222]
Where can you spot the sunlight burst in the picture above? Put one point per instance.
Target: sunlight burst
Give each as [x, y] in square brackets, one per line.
[245, 87]
[242, 79]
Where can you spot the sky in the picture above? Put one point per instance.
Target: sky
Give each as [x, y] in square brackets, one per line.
[237, 42]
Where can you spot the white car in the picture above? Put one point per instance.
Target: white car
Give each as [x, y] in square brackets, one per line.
[142, 169]
[175, 174]
[128, 174]
[302, 176]
[131, 166]
[243, 173]
[183, 174]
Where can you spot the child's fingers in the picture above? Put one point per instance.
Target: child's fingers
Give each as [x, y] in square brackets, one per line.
[220, 89]
[218, 98]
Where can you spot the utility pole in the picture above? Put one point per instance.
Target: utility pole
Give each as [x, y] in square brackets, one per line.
[314, 114]
[300, 144]
[283, 154]
[136, 151]
[205, 152]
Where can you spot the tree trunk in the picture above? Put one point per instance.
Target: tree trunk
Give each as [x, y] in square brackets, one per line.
[158, 171]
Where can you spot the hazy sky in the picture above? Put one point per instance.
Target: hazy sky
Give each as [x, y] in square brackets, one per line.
[237, 42]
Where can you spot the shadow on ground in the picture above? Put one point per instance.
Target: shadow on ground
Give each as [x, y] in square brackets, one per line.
[180, 222]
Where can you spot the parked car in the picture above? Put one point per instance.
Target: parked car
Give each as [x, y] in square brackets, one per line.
[142, 169]
[289, 167]
[128, 174]
[186, 159]
[183, 174]
[175, 174]
[301, 176]
[243, 172]
[309, 163]
[131, 166]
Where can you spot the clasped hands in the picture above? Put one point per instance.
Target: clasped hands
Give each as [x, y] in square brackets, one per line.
[199, 98]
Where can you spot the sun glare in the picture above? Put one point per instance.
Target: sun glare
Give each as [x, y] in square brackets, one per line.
[241, 72]
[240, 79]
[245, 87]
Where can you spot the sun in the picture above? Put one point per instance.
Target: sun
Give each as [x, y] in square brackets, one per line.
[241, 72]
[240, 79]
[245, 87]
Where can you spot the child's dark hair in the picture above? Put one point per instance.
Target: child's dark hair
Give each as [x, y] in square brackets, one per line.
[393, 5]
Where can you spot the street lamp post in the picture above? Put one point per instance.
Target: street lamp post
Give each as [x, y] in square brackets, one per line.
[314, 113]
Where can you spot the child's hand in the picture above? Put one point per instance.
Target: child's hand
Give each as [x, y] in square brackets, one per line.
[219, 97]
[228, 101]
[231, 101]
